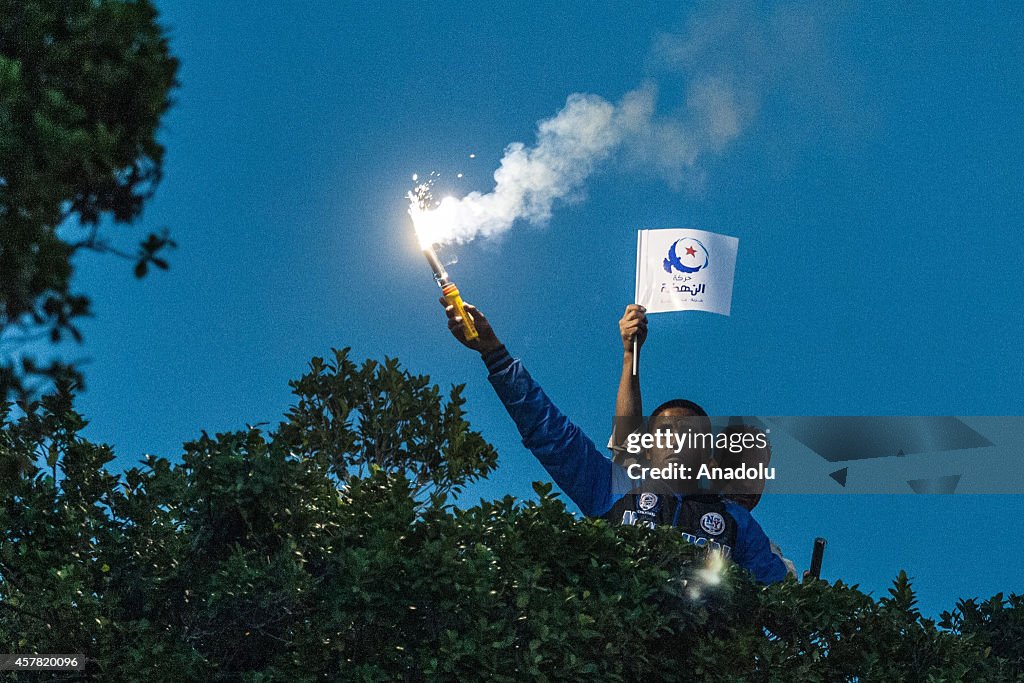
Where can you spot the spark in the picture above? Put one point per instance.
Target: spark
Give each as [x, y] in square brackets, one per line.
[431, 219]
[711, 574]
[708, 577]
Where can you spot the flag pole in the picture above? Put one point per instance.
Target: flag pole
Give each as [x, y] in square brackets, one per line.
[636, 295]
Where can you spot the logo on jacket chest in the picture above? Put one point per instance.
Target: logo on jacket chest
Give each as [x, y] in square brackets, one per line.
[646, 507]
[712, 523]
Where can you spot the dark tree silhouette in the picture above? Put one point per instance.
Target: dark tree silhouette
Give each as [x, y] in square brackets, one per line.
[83, 86]
[327, 550]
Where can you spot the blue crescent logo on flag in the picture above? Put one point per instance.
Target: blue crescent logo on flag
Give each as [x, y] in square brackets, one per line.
[686, 255]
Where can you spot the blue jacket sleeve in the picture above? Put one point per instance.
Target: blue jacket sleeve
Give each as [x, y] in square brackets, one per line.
[754, 551]
[569, 456]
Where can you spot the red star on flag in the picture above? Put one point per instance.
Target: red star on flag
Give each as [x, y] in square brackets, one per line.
[690, 251]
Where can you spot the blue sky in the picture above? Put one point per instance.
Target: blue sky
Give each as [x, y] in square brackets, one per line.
[874, 187]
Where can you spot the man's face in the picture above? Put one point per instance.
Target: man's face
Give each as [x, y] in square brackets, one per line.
[677, 421]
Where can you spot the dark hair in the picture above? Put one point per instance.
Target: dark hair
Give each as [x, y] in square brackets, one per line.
[680, 403]
[702, 420]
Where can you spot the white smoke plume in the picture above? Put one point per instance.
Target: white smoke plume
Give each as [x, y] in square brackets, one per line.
[569, 147]
[724, 57]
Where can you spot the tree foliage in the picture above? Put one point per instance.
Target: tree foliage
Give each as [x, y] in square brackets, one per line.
[326, 549]
[83, 86]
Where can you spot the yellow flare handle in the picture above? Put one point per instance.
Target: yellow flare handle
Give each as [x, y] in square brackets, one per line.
[452, 296]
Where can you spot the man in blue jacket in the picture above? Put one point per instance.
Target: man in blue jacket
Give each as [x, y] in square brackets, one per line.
[598, 486]
[746, 493]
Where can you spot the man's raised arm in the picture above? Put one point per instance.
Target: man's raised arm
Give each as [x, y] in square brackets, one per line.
[569, 456]
[628, 403]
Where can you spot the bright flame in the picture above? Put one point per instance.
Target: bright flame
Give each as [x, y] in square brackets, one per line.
[433, 224]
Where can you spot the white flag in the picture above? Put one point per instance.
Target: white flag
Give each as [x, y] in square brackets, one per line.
[685, 270]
